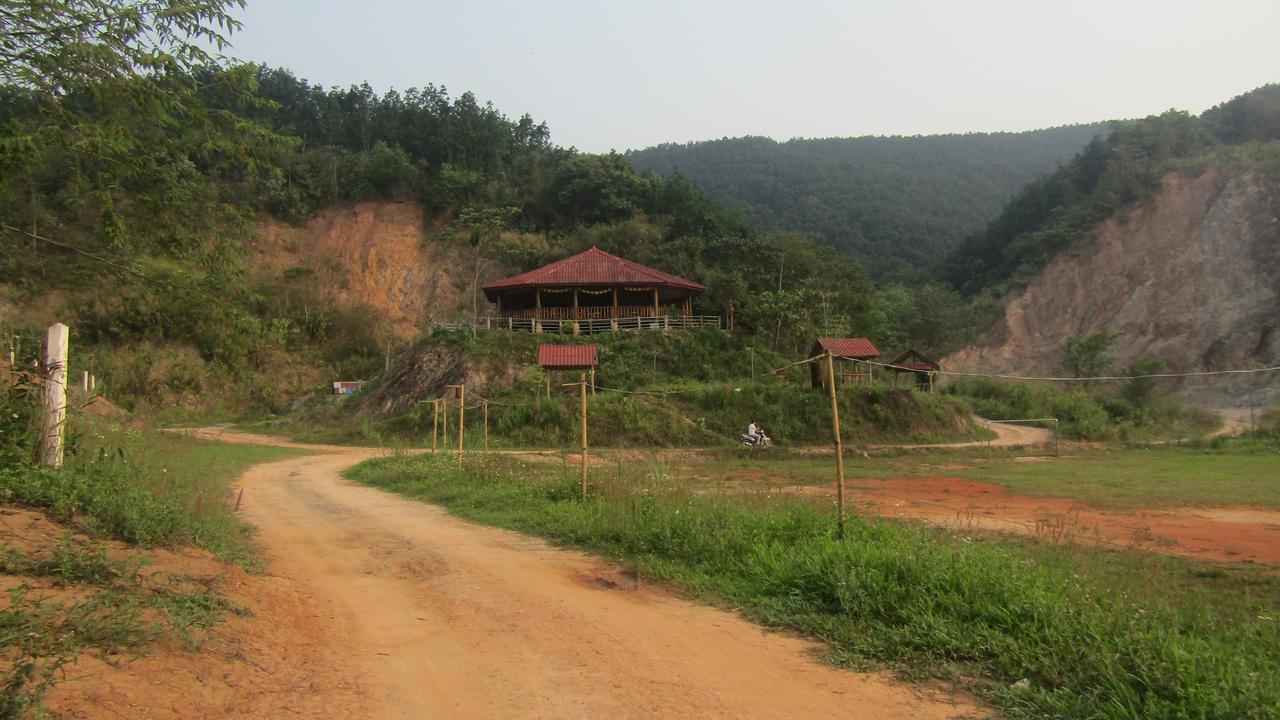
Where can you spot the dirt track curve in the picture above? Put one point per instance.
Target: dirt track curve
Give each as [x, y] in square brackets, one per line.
[427, 616]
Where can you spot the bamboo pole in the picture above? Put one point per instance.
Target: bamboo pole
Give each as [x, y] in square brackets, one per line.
[54, 425]
[435, 423]
[582, 392]
[485, 407]
[462, 428]
[835, 427]
[444, 422]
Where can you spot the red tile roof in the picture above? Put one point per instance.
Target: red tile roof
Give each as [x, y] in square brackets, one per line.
[593, 267]
[567, 356]
[858, 348]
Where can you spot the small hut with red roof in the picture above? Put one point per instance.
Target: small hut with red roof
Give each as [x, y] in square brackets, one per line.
[854, 348]
[596, 291]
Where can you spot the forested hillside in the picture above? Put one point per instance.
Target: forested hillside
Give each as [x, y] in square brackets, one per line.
[894, 203]
[131, 192]
[1128, 165]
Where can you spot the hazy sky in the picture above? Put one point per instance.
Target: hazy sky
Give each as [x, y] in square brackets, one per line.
[627, 75]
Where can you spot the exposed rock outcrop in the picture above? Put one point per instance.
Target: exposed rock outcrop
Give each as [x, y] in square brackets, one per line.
[1190, 275]
[381, 254]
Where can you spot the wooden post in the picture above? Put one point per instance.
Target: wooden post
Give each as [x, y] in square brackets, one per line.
[615, 306]
[444, 424]
[537, 310]
[54, 428]
[435, 423]
[84, 383]
[485, 407]
[582, 382]
[593, 379]
[462, 428]
[835, 428]
[655, 302]
[93, 383]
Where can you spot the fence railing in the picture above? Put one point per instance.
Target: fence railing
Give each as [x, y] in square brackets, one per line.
[585, 325]
[589, 313]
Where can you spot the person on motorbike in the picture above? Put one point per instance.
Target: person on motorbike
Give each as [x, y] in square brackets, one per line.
[754, 434]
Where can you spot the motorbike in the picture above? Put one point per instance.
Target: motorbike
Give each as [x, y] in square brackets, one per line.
[763, 441]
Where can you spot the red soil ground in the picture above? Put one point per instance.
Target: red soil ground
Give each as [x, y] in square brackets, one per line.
[1232, 534]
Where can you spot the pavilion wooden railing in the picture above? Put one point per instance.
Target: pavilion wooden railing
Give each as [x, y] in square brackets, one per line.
[588, 313]
[585, 325]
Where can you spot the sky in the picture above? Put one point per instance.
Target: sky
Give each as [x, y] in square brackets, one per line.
[612, 75]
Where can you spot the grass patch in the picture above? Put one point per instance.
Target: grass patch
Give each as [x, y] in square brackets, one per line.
[74, 596]
[1093, 634]
[145, 487]
[1221, 472]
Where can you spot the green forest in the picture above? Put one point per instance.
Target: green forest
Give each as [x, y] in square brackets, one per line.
[894, 203]
[1127, 165]
[131, 177]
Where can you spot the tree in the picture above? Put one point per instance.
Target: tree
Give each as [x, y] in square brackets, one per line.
[1090, 355]
[1141, 389]
[481, 226]
[54, 46]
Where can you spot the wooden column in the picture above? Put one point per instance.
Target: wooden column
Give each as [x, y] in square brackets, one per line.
[575, 312]
[537, 310]
[615, 305]
[593, 379]
[499, 306]
[655, 302]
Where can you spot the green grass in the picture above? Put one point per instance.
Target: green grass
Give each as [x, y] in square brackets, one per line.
[142, 487]
[1095, 634]
[145, 487]
[1230, 472]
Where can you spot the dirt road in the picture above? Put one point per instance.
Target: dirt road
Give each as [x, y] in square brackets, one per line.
[401, 611]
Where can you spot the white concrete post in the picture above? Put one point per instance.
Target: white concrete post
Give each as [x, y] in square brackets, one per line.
[53, 427]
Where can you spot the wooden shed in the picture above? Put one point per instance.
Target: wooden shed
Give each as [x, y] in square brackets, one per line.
[920, 368]
[846, 349]
[553, 358]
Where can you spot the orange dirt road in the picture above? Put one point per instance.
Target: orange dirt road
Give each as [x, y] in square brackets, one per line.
[407, 612]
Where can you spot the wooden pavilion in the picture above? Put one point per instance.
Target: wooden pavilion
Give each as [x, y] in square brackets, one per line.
[594, 291]
[921, 368]
[559, 358]
[855, 348]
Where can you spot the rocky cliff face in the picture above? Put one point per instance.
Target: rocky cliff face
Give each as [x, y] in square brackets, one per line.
[381, 254]
[1191, 276]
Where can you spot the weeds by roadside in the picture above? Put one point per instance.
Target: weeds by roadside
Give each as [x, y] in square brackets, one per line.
[74, 595]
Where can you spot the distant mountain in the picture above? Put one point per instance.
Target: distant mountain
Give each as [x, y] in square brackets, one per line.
[895, 203]
[1165, 234]
[1053, 212]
